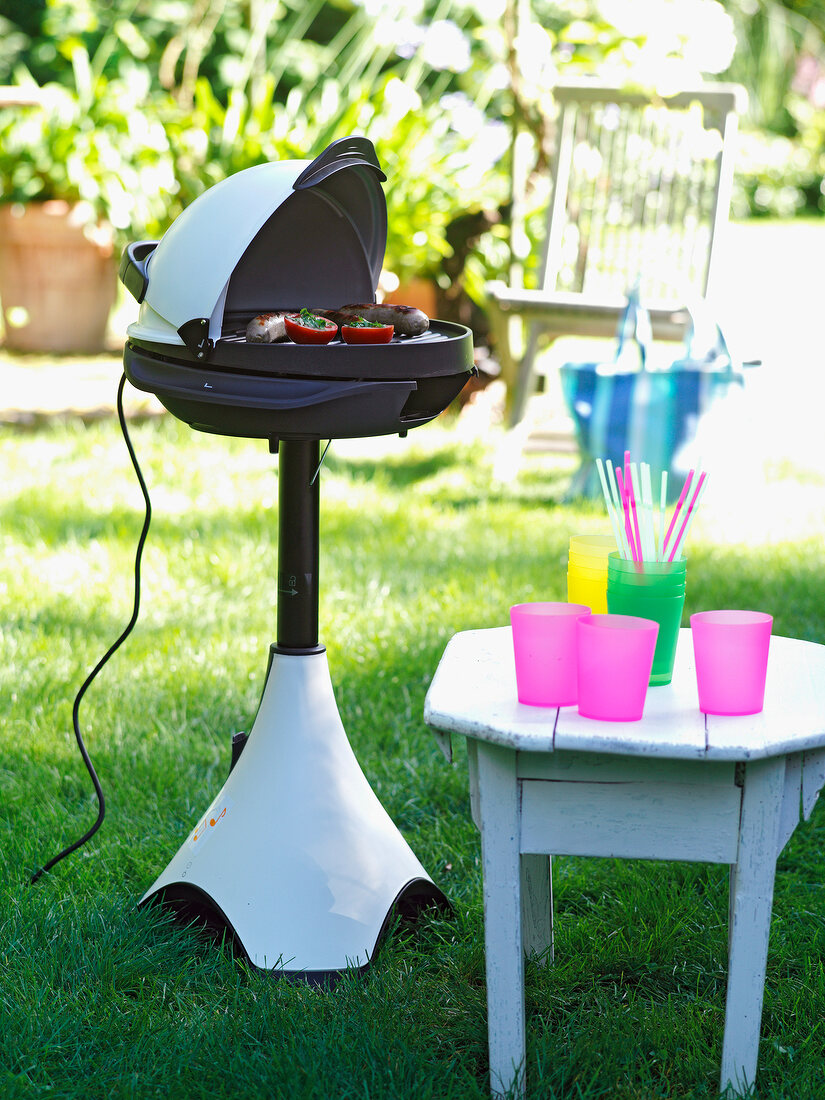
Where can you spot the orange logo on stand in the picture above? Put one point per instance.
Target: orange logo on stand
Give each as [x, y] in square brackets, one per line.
[210, 822]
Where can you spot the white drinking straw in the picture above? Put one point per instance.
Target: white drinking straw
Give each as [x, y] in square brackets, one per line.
[662, 509]
[678, 508]
[638, 484]
[614, 492]
[608, 500]
[677, 546]
[648, 532]
[633, 484]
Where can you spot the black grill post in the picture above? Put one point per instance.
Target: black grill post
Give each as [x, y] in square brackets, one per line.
[298, 541]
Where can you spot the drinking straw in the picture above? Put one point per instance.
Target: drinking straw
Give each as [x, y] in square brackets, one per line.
[662, 508]
[683, 531]
[628, 522]
[647, 514]
[608, 500]
[621, 492]
[626, 507]
[679, 503]
[690, 517]
[639, 499]
[614, 492]
[631, 488]
[626, 470]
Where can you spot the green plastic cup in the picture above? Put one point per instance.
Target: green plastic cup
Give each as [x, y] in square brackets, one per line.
[648, 578]
[649, 601]
[666, 587]
[648, 592]
[645, 572]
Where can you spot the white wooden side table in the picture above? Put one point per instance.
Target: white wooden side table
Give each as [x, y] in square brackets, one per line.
[677, 785]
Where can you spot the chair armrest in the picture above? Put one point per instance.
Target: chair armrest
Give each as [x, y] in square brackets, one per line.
[565, 313]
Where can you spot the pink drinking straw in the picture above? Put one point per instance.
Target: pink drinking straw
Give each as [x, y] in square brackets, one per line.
[626, 470]
[693, 500]
[626, 506]
[632, 494]
[628, 490]
[679, 503]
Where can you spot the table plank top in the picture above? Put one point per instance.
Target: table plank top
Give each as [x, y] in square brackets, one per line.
[473, 693]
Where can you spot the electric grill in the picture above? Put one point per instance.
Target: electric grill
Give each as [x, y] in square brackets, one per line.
[295, 857]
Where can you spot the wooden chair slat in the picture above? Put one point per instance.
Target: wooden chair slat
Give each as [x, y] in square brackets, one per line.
[640, 192]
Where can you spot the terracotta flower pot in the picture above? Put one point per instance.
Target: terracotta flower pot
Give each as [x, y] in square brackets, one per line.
[58, 277]
[417, 292]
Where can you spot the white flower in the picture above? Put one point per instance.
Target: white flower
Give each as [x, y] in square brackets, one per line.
[698, 32]
[465, 118]
[406, 33]
[534, 49]
[400, 99]
[445, 46]
[442, 44]
[392, 9]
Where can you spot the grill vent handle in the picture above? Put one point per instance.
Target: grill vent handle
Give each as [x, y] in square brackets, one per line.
[346, 152]
[133, 267]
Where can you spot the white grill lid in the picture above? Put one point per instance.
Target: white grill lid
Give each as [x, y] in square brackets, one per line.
[276, 236]
[200, 250]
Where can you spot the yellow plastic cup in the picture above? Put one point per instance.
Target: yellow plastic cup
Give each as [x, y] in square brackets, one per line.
[587, 570]
[586, 562]
[592, 546]
[587, 587]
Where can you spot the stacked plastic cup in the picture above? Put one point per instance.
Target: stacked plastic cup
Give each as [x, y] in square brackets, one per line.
[587, 571]
[731, 650]
[615, 655]
[544, 646]
[650, 590]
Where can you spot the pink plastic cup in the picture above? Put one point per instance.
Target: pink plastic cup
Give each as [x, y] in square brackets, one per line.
[731, 652]
[544, 643]
[615, 655]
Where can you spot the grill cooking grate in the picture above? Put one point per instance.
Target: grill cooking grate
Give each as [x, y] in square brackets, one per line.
[444, 349]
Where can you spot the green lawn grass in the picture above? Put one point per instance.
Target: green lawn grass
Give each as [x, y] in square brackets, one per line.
[98, 999]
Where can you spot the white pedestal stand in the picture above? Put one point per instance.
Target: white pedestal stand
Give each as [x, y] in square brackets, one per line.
[296, 854]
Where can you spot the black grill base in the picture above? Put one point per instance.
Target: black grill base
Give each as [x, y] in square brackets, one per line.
[289, 391]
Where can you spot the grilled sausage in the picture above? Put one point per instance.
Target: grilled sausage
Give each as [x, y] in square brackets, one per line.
[408, 320]
[266, 328]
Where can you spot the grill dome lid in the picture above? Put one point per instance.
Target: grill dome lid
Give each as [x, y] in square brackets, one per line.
[276, 236]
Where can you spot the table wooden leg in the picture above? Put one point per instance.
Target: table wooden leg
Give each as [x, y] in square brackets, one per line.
[537, 907]
[731, 899]
[504, 954]
[751, 904]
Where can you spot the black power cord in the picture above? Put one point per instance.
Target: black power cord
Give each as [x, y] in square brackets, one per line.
[115, 645]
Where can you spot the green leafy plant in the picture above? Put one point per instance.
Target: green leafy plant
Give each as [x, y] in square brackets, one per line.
[782, 176]
[438, 152]
[94, 142]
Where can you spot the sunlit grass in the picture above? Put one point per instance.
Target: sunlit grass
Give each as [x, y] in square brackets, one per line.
[418, 541]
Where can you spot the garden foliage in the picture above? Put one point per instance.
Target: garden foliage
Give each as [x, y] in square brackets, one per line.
[151, 101]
